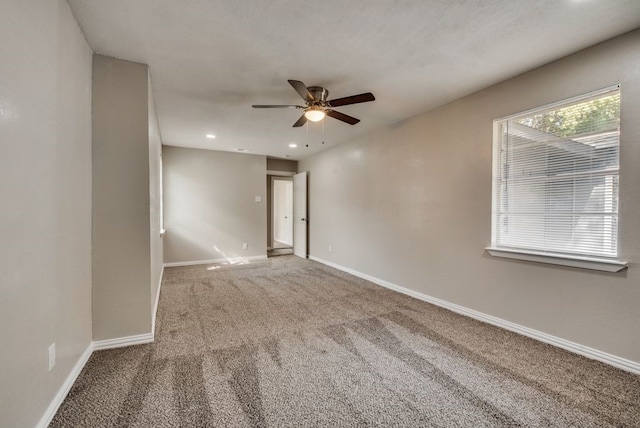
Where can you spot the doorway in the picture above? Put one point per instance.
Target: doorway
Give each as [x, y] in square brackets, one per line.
[281, 230]
[282, 213]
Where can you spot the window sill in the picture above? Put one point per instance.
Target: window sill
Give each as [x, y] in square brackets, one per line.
[606, 265]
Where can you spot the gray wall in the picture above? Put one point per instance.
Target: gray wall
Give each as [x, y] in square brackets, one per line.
[122, 282]
[45, 214]
[209, 205]
[411, 205]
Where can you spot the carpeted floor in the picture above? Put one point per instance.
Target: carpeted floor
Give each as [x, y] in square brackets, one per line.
[288, 342]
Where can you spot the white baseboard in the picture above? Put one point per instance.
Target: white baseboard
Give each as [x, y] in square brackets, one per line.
[621, 363]
[119, 342]
[46, 419]
[231, 260]
[97, 345]
[155, 305]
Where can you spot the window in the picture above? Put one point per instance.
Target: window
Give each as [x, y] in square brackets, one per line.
[555, 178]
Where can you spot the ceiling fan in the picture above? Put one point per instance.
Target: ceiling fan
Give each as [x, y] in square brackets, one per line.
[317, 105]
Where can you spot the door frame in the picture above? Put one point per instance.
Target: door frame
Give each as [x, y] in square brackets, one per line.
[274, 178]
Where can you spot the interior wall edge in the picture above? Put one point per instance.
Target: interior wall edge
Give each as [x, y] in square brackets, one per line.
[122, 271]
[156, 301]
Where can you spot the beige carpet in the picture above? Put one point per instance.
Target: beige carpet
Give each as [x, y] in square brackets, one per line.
[288, 342]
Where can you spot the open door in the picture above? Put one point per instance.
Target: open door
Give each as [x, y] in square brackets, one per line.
[300, 214]
[288, 213]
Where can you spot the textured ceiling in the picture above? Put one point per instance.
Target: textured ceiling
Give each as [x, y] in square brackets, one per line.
[210, 60]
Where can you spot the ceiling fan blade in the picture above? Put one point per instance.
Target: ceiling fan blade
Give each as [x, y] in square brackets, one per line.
[301, 88]
[300, 122]
[275, 106]
[353, 99]
[343, 117]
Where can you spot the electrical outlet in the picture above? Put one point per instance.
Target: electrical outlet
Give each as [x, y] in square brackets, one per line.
[52, 356]
[330, 248]
[245, 246]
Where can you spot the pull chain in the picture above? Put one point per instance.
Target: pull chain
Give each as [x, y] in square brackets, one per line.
[308, 124]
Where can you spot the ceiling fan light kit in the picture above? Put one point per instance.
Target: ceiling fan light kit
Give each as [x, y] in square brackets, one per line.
[314, 114]
[317, 106]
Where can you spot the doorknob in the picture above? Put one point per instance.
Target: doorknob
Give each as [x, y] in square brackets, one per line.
[302, 219]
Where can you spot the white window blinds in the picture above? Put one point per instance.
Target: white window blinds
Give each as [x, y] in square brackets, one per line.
[555, 178]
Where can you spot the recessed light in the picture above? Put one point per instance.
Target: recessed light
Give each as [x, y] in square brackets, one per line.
[287, 156]
[211, 136]
[242, 150]
[293, 145]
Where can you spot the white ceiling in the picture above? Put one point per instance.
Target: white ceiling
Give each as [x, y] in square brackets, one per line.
[210, 60]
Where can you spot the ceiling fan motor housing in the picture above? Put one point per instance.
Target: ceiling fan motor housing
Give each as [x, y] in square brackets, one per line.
[319, 93]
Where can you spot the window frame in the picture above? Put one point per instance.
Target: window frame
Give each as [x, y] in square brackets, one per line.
[602, 263]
